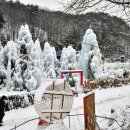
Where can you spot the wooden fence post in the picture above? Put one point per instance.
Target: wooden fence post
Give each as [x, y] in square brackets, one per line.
[89, 112]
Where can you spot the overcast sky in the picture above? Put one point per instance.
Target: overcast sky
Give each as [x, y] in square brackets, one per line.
[50, 4]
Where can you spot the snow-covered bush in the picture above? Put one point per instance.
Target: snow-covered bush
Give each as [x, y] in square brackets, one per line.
[19, 101]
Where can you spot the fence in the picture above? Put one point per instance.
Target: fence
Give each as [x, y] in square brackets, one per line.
[73, 122]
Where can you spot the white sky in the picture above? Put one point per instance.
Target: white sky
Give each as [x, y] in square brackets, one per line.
[50, 4]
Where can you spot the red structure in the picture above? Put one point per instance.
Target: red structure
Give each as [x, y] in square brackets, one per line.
[74, 71]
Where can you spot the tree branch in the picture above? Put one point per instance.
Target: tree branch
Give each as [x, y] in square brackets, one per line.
[119, 2]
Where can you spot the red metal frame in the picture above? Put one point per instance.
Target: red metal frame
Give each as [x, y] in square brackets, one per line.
[74, 71]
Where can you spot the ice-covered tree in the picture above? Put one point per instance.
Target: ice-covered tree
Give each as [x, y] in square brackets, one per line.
[10, 56]
[36, 64]
[63, 59]
[31, 58]
[96, 61]
[90, 56]
[21, 62]
[24, 34]
[45, 37]
[24, 38]
[68, 62]
[48, 55]
[50, 60]
[68, 59]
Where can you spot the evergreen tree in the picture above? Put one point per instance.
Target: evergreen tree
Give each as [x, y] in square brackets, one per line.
[3, 40]
[73, 38]
[34, 37]
[2, 20]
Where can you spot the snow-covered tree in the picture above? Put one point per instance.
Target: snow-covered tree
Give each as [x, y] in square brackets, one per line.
[50, 60]
[21, 62]
[45, 37]
[36, 64]
[63, 59]
[68, 62]
[10, 56]
[48, 55]
[96, 61]
[90, 56]
[24, 34]
[68, 59]
[31, 56]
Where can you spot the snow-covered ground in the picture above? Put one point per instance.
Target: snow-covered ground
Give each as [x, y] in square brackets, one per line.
[105, 99]
[16, 117]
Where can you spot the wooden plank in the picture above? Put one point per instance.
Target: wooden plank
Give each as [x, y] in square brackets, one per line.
[89, 112]
[64, 84]
[62, 106]
[58, 93]
[53, 111]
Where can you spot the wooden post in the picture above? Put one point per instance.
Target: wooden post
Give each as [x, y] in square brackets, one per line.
[89, 112]
[62, 101]
[69, 121]
[52, 100]
[15, 127]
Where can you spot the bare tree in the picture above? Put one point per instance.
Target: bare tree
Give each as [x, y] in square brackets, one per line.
[122, 7]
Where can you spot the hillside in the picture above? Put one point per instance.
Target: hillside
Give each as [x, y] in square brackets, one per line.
[63, 29]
